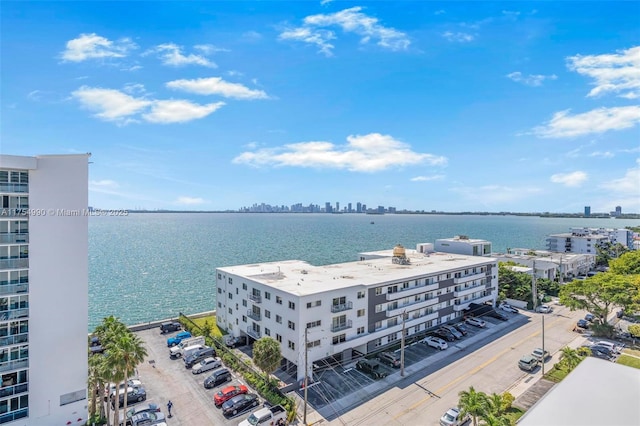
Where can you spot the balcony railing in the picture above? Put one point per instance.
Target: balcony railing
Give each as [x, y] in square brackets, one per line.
[14, 365]
[14, 187]
[462, 291]
[255, 298]
[14, 314]
[6, 238]
[254, 315]
[14, 263]
[14, 390]
[342, 307]
[412, 291]
[14, 288]
[15, 339]
[341, 326]
[253, 333]
[14, 415]
[467, 278]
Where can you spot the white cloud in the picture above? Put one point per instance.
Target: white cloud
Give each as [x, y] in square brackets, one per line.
[111, 105]
[531, 79]
[171, 54]
[362, 153]
[350, 20]
[564, 125]
[617, 73]
[179, 111]
[216, 86]
[569, 179]
[602, 154]
[209, 49]
[325, 2]
[105, 183]
[629, 184]
[251, 36]
[189, 201]
[133, 88]
[427, 178]
[458, 37]
[93, 46]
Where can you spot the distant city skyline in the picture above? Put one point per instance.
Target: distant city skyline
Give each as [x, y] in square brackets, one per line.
[474, 106]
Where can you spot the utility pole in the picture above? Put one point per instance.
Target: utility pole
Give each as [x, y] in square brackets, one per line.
[534, 290]
[306, 374]
[543, 352]
[404, 313]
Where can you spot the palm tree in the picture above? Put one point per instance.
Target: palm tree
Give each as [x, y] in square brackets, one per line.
[493, 420]
[129, 352]
[473, 403]
[97, 378]
[496, 404]
[570, 358]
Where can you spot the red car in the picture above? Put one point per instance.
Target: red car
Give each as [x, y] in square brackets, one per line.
[227, 393]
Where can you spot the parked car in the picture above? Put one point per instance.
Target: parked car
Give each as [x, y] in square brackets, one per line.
[475, 322]
[217, 378]
[227, 393]
[444, 334]
[170, 326]
[111, 390]
[451, 329]
[508, 308]
[461, 328]
[390, 358]
[611, 346]
[452, 418]
[498, 315]
[604, 349]
[198, 356]
[540, 355]
[175, 340]
[149, 408]
[146, 419]
[239, 404]
[133, 395]
[206, 364]
[435, 342]
[589, 317]
[582, 323]
[95, 346]
[371, 367]
[528, 363]
[235, 341]
[544, 309]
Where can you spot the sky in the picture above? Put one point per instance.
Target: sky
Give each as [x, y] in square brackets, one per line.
[448, 106]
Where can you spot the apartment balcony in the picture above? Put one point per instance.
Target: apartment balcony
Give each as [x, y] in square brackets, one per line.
[412, 291]
[14, 415]
[468, 278]
[254, 315]
[14, 390]
[341, 307]
[253, 333]
[411, 307]
[13, 288]
[14, 340]
[13, 238]
[14, 365]
[479, 300]
[14, 314]
[14, 187]
[341, 326]
[466, 291]
[14, 263]
[255, 298]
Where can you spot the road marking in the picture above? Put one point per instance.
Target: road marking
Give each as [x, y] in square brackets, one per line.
[472, 372]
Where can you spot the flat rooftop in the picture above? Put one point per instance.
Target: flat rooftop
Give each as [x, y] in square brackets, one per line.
[300, 278]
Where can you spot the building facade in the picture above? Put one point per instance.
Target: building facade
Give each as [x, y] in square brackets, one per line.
[43, 289]
[553, 266]
[587, 240]
[462, 244]
[336, 313]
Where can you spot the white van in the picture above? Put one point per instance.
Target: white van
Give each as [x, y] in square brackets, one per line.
[191, 350]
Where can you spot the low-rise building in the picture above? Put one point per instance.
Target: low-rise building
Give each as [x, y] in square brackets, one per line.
[553, 266]
[339, 312]
[587, 240]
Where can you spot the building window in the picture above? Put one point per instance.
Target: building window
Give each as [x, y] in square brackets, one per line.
[244, 319]
[379, 308]
[237, 321]
[219, 304]
[279, 300]
[313, 324]
[292, 345]
[219, 290]
[244, 286]
[267, 314]
[278, 338]
[392, 322]
[230, 311]
[360, 312]
[339, 339]
[237, 291]
[291, 325]
[292, 305]
[267, 332]
[377, 325]
[230, 280]
[267, 295]
[244, 302]
[361, 295]
[219, 276]
[230, 296]
[278, 319]
[378, 291]
[313, 344]
[237, 307]
[360, 330]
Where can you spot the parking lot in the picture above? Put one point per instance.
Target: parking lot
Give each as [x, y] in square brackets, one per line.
[165, 379]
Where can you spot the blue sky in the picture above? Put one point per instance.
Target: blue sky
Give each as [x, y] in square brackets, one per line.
[449, 106]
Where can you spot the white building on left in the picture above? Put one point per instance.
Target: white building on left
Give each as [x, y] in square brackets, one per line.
[43, 289]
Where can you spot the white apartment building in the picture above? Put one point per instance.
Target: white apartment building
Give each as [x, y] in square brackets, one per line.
[586, 240]
[550, 265]
[43, 289]
[350, 309]
[462, 244]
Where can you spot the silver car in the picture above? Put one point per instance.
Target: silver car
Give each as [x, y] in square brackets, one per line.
[206, 365]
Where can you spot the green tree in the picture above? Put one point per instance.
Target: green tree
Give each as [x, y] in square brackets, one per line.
[128, 352]
[606, 252]
[474, 403]
[569, 358]
[634, 330]
[627, 264]
[493, 420]
[97, 379]
[267, 355]
[598, 294]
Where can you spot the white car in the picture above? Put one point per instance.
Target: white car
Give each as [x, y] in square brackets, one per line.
[537, 354]
[612, 347]
[475, 322]
[544, 309]
[508, 308]
[206, 365]
[452, 418]
[435, 342]
[133, 383]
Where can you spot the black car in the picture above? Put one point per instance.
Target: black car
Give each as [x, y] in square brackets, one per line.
[198, 356]
[239, 404]
[235, 341]
[168, 327]
[95, 346]
[217, 378]
[371, 367]
[444, 334]
[498, 315]
[598, 353]
[605, 350]
[461, 328]
[134, 395]
[582, 323]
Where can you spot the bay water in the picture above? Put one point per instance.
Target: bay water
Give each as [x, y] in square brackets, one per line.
[150, 266]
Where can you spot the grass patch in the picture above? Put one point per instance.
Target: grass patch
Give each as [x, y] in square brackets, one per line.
[630, 361]
[215, 331]
[556, 374]
[513, 414]
[631, 352]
